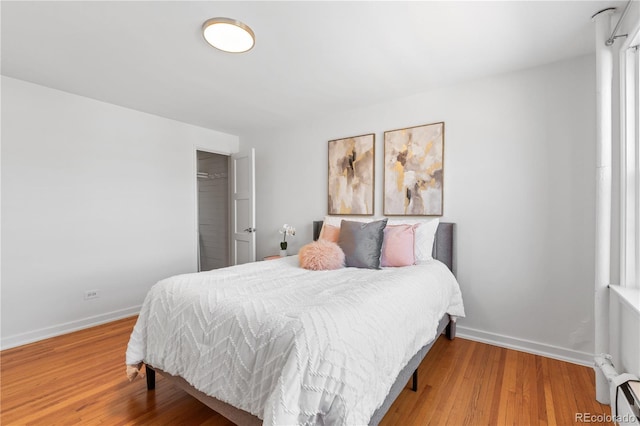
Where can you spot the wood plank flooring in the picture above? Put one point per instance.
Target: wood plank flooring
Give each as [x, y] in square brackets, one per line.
[80, 378]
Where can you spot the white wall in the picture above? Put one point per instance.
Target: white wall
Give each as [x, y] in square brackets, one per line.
[518, 181]
[94, 197]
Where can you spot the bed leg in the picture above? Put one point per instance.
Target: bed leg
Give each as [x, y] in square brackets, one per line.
[151, 378]
[414, 385]
[451, 330]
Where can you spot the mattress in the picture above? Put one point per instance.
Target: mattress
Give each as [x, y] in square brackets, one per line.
[293, 346]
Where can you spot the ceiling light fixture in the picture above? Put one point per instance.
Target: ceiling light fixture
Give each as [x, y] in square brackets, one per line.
[228, 35]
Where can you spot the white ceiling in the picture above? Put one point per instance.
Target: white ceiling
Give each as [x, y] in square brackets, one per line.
[310, 58]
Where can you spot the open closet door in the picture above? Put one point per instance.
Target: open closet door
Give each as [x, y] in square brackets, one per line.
[243, 207]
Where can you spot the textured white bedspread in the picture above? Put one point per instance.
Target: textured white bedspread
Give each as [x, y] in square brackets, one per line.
[293, 346]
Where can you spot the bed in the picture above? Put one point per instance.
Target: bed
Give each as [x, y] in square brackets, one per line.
[272, 343]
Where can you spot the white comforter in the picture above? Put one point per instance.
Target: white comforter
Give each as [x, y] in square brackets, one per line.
[293, 346]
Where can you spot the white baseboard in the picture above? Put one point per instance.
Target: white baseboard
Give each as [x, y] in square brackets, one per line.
[68, 327]
[549, 351]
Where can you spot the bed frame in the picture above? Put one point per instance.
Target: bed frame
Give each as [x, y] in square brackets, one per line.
[442, 250]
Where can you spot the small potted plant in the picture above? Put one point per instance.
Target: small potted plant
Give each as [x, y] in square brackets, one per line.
[285, 230]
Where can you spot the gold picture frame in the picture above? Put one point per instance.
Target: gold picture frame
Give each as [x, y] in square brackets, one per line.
[351, 175]
[414, 171]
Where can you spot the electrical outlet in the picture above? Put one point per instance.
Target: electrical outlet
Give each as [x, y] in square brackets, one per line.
[91, 294]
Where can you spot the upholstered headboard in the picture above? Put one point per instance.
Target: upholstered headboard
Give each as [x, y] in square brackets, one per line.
[442, 246]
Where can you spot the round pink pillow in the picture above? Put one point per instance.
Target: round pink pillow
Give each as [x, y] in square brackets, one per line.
[321, 255]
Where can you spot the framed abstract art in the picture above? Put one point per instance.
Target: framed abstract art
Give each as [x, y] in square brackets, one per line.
[351, 175]
[413, 170]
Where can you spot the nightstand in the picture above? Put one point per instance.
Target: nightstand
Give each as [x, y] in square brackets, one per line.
[275, 256]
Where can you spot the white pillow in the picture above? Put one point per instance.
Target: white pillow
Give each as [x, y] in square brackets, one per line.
[425, 236]
[337, 220]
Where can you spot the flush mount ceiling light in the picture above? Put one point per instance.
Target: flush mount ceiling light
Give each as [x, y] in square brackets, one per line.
[228, 35]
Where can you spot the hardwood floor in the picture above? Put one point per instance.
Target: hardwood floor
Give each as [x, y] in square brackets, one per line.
[80, 378]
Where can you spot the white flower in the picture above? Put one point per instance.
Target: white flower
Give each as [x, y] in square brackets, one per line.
[287, 230]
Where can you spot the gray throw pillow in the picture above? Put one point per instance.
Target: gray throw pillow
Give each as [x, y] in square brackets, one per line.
[362, 243]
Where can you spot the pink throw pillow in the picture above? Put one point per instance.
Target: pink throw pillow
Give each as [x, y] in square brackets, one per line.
[330, 233]
[321, 255]
[397, 246]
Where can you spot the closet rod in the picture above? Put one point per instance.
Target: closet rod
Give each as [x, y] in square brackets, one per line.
[205, 175]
